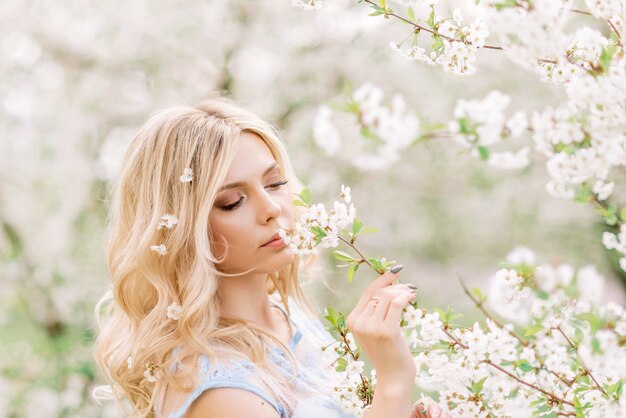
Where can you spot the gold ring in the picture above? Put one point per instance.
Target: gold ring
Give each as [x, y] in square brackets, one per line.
[376, 300]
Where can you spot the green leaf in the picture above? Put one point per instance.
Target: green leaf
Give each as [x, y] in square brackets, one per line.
[477, 387]
[595, 345]
[367, 230]
[525, 367]
[479, 295]
[431, 18]
[622, 215]
[356, 226]
[411, 14]
[533, 330]
[342, 363]
[351, 270]
[306, 196]
[342, 256]
[300, 203]
[578, 337]
[483, 152]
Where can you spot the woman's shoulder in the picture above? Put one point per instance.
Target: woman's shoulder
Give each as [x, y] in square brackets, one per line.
[231, 402]
[226, 376]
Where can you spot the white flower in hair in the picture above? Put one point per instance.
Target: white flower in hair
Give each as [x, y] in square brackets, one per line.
[160, 249]
[152, 373]
[174, 311]
[167, 221]
[187, 175]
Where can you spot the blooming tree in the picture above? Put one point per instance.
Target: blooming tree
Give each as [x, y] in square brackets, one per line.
[560, 352]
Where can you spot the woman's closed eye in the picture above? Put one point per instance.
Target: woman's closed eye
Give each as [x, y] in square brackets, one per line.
[235, 205]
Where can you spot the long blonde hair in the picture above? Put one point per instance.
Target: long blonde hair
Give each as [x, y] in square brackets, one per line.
[135, 332]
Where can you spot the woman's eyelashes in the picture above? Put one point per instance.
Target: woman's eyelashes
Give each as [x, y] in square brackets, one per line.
[238, 203]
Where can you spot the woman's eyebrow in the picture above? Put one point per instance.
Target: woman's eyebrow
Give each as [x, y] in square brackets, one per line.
[243, 183]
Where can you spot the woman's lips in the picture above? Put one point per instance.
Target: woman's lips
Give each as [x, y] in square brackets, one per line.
[275, 242]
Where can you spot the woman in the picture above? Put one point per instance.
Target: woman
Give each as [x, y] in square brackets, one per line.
[206, 316]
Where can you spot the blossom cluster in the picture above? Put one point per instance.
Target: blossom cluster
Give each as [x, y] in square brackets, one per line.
[319, 226]
[479, 124]
[389, 128]
[454, 44]
[562, 353]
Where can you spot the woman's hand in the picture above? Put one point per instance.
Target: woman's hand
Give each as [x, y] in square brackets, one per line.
[375, 323]
[427, 408]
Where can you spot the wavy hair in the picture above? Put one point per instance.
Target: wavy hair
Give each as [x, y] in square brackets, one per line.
[134, 333]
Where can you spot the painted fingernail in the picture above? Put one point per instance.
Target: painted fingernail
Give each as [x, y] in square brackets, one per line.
[396, 269]
[412, 286]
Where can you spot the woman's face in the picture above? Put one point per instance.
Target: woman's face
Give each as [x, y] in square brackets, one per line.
[251, 206]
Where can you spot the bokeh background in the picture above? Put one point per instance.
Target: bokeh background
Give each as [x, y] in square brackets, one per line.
[78, 77]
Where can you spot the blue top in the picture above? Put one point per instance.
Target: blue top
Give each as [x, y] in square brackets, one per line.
[310, 395]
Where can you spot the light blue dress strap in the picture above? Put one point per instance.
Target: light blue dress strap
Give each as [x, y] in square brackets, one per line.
[297, 336]
[234, 376]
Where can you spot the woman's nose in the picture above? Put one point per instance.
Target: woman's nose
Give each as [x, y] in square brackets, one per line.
[269, 209]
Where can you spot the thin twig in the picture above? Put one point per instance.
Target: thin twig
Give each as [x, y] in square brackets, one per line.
[582, 363]
[511, 375]
[363, 259]
[417, 26]
[479, 305]
[616, 31]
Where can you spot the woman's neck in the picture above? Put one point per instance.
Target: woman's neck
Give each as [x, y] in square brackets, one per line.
[246, 298]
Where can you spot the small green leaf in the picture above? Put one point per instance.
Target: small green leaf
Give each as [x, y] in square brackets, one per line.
[533, 330]
[483, 152]
[342, 363]
[431, 18]
[479, 295]
[356, 226]
[367, 230]
[306, 196]
[353, 268]
[300, 203]
[342, 256]
[411, 14]
[622, 215]
[525, 367]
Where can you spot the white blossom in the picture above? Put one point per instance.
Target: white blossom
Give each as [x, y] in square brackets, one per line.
[187, 175]
[174, 310]
[159, 249]
[167, 221]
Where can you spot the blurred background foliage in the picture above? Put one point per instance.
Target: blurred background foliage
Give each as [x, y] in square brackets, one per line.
[77, 78]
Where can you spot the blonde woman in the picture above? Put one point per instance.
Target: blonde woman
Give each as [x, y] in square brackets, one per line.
[206, 317]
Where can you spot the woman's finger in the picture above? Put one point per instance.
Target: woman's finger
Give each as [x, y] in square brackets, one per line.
[384, 280]
[394, 311]
[390, 295]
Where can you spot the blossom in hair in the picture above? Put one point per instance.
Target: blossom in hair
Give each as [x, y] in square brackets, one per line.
[187, 175]
[159, 249]
[174, 311]
[167, 221]
[152, 373]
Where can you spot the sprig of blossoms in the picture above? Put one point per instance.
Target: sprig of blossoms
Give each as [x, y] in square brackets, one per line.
[319, 226]
[387, 125]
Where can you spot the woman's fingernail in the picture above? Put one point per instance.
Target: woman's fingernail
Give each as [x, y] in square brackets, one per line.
[412, 286]
[396, 269]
